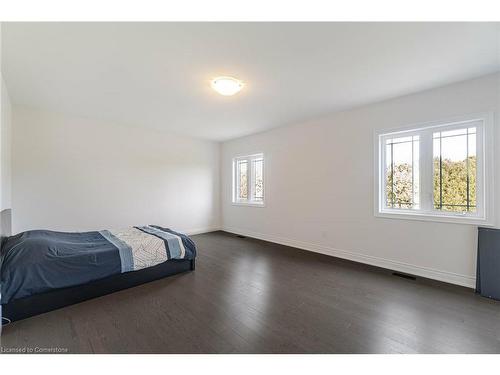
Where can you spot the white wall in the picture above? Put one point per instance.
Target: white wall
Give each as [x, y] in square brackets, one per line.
[76, 174]
[319, 188]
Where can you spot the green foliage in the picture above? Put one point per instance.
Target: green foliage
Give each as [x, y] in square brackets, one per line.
[259, 188]
[400, 194]
[454, 184]
[243, 186]
[453, 175]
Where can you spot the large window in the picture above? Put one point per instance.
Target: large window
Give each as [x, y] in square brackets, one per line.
[440, 171]
[248, 180]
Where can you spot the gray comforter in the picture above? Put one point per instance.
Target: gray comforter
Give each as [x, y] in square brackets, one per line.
[37, 261]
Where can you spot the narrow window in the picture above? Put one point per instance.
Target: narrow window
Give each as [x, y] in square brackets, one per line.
[402, 178]
[455, 170]
[242, 179]
[248, 182]
[258, 168]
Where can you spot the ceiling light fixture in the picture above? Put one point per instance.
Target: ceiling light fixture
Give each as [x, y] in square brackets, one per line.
[227, 86]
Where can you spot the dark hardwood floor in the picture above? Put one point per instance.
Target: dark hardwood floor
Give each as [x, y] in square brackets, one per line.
[251, 296]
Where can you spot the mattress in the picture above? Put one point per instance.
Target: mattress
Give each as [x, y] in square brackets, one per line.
[39, 261]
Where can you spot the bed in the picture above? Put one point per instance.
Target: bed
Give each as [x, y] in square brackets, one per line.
[45, 270]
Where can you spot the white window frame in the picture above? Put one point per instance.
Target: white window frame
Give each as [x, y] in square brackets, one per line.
[250, 201]
[484, 214]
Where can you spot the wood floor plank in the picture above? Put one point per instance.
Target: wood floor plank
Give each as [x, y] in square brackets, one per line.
[252, 296]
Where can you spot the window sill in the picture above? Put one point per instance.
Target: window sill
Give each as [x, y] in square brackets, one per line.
[455, 219]
[249, 204]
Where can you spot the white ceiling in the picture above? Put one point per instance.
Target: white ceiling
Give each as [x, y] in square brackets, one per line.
[158, 74]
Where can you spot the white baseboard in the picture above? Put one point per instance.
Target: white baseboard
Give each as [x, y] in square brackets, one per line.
[430, 273]
[192, 232]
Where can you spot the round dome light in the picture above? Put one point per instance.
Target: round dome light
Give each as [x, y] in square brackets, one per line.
[227, 86]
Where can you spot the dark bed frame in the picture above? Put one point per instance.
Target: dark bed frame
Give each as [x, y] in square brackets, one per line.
[44, 302]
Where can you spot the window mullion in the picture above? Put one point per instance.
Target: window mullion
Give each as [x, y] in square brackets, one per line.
[250, 179]
[480, 171]
[235, 181]
[426, 171]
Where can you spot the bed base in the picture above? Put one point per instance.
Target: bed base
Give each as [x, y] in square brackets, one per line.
[44, 302]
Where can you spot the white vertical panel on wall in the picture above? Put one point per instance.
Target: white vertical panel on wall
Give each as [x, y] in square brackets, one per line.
[5, 140]
[5, 149]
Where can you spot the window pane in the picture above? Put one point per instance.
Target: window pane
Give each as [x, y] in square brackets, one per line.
[455, 170]
[450, 133]
[242, 179]
[259, 179]
[402, 172]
